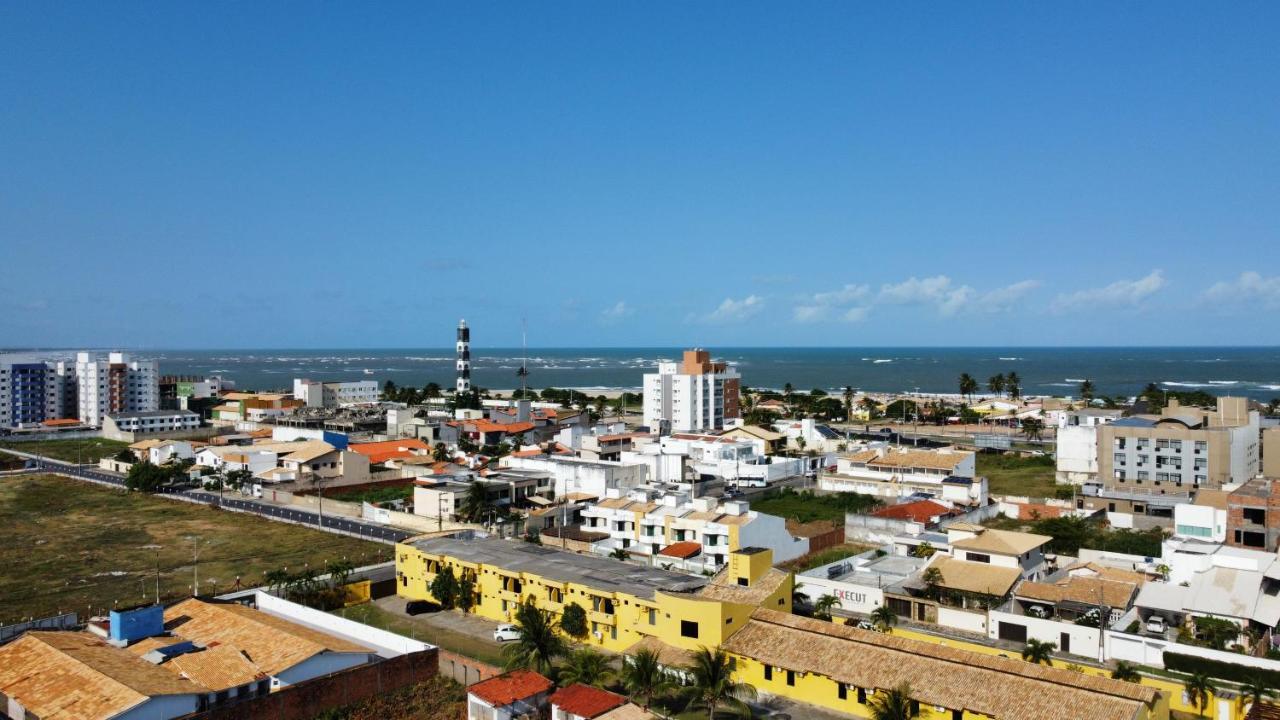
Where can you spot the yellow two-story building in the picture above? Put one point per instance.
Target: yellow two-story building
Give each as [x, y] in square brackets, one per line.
[624, 603]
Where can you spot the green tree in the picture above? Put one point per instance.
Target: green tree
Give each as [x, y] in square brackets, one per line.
[884, 619]
[825, 605]
[466, 594]
[1126, 672]
[711, 684]
[573, 621]
[619, 554]
[587, 666]
[475, 504]
[894, 704]
[1013, 385]
[389, 391]
[444, 588]
[967, 385]
[872, 407]
[126, 456]
[933, 580]
[1038, 652]
[1216, 632]
[538, 644]
[275, 579]
[1256, 690]
[1200, 690]
[1086, 390]
[440, 453]
[145, 477]
[995, 384]
[924, 550]
[644, 677]
[431, 391]
[1033, 428]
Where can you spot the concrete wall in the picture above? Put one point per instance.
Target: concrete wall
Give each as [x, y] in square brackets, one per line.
[386, 643]
[201, 433]
[1083, 639]
[967, 620]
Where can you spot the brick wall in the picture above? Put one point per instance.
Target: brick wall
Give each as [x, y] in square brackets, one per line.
[307, 699]
[831, 538]
[464, 670]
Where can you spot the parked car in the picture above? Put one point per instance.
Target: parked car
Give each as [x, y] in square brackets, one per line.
[418, 607]
[865, 625]
[1155, 624]
[1038, 611]
[506, 633]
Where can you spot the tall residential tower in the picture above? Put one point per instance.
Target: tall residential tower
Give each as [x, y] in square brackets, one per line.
[695, 395]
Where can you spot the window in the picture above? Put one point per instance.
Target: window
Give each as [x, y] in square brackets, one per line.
[791, 678]
[1255, 515]
[768, 672]
[689, 629]
[842, 691]
[1193, 531]
[862, 696]
[978, 557]
[744, 582]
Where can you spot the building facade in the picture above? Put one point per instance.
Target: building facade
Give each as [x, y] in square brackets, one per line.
[880, 470]
[694, 395]
[33, 391]
[335, 394]
[115, 384]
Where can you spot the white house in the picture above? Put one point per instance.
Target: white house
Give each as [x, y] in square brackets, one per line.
[516, 694]
[335, 394]
[1206, 519]
[159, 452]
[858, 583]
[1000, 548]
[880, 470]
[577, 476]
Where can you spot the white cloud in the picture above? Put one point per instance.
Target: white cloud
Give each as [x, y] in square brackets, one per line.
[616, 312]
[733, 310]
[1250, 287]
[1121, 292]
[809, 313]
[844, 296]
[854, 302]
[856, 314]
[916, 290]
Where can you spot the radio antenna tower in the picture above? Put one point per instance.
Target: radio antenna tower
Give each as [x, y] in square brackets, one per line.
[523, 372]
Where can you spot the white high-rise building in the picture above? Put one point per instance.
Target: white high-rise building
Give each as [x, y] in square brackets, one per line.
[464, 357]
[117, 384]
[694, 395]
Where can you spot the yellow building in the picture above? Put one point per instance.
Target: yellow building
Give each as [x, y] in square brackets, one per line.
[841, 668]
[624, 603]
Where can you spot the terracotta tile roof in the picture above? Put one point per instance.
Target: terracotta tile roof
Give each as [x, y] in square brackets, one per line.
[683, 550]
[668, 655]
[755, 431]
[271, 643]
[533, 452]
[921, 511]
[586, 701]
[1007, 688]
[218, 668]
[1003, 542]
[726, 589]
[60, 422]
[631, 711]
[930, 459]
[387, 449]
[76, 675]
[488, 426]
[507, 688]
[1081, 590]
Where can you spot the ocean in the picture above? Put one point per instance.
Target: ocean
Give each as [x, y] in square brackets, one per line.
[1252, 372]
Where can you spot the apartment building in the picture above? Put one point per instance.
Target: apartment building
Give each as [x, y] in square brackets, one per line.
[698, 534]
[625, 603]
[892, 473]
[33, 390]
[128, 425]
[1181, 450]
[1077, 444]
[576, 476]
[115, 384]
[314, 393]
[694, 395]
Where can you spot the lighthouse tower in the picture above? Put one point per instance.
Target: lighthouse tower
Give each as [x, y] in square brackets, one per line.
[464, 357]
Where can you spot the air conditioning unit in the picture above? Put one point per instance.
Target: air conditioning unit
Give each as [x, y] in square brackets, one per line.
[599, 635]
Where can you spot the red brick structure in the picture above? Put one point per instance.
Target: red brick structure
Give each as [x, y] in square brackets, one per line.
[307, 699]
[1253, 515]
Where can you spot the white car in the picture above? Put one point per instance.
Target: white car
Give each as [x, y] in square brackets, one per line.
[506, 633]
[1155, 624]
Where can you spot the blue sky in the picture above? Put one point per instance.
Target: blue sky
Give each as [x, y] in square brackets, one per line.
[346, 175]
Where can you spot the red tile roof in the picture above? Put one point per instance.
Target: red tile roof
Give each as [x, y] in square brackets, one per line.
[682, 550]
[507, 688]
[60, 422]
[921, 511]
[389, 449]
[488, 426]
[586, 701]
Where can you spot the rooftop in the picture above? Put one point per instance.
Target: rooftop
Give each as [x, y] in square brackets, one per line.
[976, 577]
[510, 688]
[586, 701]
[1006, 688]
[1002, 542]
[724, 588]
[881, 572]
[921, 511]
[383, 451]
[547, 562]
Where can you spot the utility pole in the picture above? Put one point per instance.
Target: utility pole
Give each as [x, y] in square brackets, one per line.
[195, 565]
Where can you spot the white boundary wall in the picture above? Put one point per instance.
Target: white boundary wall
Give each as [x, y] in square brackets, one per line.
[385, 643]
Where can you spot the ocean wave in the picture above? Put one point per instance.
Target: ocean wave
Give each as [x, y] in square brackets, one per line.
[1011, 358]
[1171, 383]
[881, 361]
[1270, 387]
[1073, 380]
[1224, 382]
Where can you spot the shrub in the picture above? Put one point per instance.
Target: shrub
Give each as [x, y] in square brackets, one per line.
[574, 620]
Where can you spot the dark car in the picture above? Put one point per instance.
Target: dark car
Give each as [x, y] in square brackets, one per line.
[421, 607]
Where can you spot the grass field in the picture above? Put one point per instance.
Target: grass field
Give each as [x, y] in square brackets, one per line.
[451, 640]
[1012, 475]
[804, 506]
[373, 495]
[70, 545]
[91, 449]
[824, 557]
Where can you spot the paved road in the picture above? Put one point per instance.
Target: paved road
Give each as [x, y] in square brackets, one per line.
[331, 523]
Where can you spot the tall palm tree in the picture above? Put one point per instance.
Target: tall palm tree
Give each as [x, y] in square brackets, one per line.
[586, 666]
[712, 685]
[644, 677]
[933, 580]
[1200, 690]
[894, 704]
[786, 396]
[1126, 672]
[848, 403]
[275, 579]
[1086, 390]
[884, 619]
[476, 502]
[1013, 385]
[995, 384]
[1038, 652]
[538, 644]
[798, 598]
[825, 604]
[968, 386]
[1254, 691]
[1033, 428]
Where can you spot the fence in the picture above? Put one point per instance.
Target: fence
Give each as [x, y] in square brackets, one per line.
[66, 621]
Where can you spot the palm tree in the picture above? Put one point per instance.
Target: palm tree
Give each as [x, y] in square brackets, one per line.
[1038, 651]
[1033, 428]
[1200, 690]
[275, 579]
[995, 384]
[440, 453]
[644, 677]
[1254, 691]
[711, 684]
[1086, 390]
[933, 579]
[884, 619]
[798, 598]
[1126, 672]
[848, 403]
[538, 644]
[1013, 385]
[586, 666]
[894, 704]
[823, 607]
[619, 554]
[476, 502]
[786, 396]
[968, 386]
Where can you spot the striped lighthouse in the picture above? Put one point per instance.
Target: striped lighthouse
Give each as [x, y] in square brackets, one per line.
[464, 357]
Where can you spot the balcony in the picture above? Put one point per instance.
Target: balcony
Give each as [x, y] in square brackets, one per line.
[509, 595]
[602, 618]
